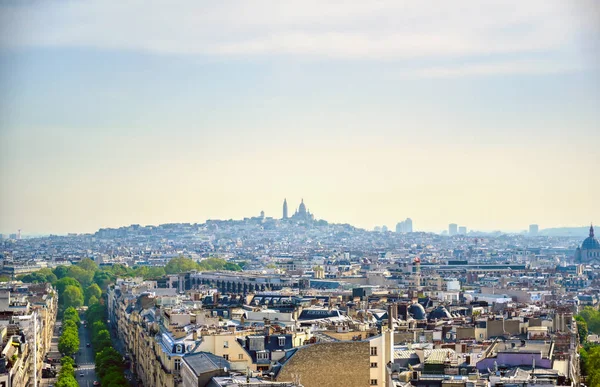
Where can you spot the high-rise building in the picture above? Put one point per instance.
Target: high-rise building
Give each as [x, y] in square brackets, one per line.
[384, 228]
[285, 210]
[462, 230]
[408, 226]
[533, 229]
[404, 226]
[452, 229]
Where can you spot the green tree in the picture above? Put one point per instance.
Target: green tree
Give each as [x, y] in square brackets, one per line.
[96, 312]
[88, 265]
[592, 318]
[232, 267]
[83, 276]
[120, 270]
[60, 271]
[68, 343]
[180, 265]
[102, 340]
[72, 297]
[62, 284]
[92, 290]
[93, 300]
[103, 278]
[106, 359]
[40, 276]
[71, 314]
[67, 381]
[582, 329]
[593, 367]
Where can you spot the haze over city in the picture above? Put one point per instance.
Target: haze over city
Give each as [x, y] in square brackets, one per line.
[485, 117]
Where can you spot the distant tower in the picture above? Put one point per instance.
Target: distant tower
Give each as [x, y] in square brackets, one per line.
[285, 211]
[19, 234]
[452, 229]
[408, 226]
[417, 272]
[533, 229]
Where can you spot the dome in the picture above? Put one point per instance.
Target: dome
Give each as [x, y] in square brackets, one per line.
[590, 243]
[417, 312]
[302, 208]
[439, 313]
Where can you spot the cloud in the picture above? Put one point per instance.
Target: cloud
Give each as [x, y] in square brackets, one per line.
[308, 29]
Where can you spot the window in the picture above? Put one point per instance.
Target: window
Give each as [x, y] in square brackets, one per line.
[373, 351]
[225, 344]
[373, 382]
[241, 356]
[215, 313]
[226, 357]
[177, 364]
[262, 355]
[373, 365]
[282, 341]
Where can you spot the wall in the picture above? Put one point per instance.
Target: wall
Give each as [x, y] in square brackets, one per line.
[330, 365]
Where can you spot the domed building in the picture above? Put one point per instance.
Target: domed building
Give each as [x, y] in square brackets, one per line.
[589, 252]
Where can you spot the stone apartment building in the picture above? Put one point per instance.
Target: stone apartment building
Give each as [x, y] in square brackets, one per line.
[27, 318]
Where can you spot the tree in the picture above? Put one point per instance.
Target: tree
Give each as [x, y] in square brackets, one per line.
[155, 272]
[582, 329]
[68, 343]
[106, 359]
[120, 270]
[592, 318]
[180, 264]
[40, 276]
[593, 366]
[102, 340]
[83, 276]
[62, 284]
[72, 297]
[88, 265]
[96, 312]
[92, 291]
[93, 300]
[72, 315]
[103, 278]
[60, 271]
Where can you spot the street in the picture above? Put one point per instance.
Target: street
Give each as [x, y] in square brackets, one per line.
[85, 360]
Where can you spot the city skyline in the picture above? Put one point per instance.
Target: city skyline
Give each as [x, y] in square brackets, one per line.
[483, 116]
[298, 213]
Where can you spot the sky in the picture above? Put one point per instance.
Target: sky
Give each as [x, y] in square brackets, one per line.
[480, 113]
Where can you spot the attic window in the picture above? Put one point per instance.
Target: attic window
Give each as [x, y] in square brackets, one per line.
[281, 341]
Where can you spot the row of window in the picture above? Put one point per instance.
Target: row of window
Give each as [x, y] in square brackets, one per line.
[240, 356]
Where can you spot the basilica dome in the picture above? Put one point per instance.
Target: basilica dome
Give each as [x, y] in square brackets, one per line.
[590, 243]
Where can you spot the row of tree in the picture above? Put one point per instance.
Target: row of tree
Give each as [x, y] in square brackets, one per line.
[591, 317]
[589, 356]
[86, 274]
[68, 344]
[588, 321]
[109, 362]
[66, 376]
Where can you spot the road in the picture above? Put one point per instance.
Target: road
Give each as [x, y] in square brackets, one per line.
[85, 360]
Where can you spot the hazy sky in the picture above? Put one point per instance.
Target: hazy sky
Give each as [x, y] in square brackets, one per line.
[482, 113]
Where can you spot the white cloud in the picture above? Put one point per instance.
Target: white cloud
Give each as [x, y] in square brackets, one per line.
[311, 29]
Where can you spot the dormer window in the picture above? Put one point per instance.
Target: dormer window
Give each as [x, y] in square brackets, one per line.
[282, 341]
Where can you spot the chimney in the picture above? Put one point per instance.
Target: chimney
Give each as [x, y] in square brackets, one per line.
[391, 317]
[195, 334]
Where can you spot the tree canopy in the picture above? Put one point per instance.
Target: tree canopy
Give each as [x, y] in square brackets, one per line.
[592, 318]
[72, 297]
